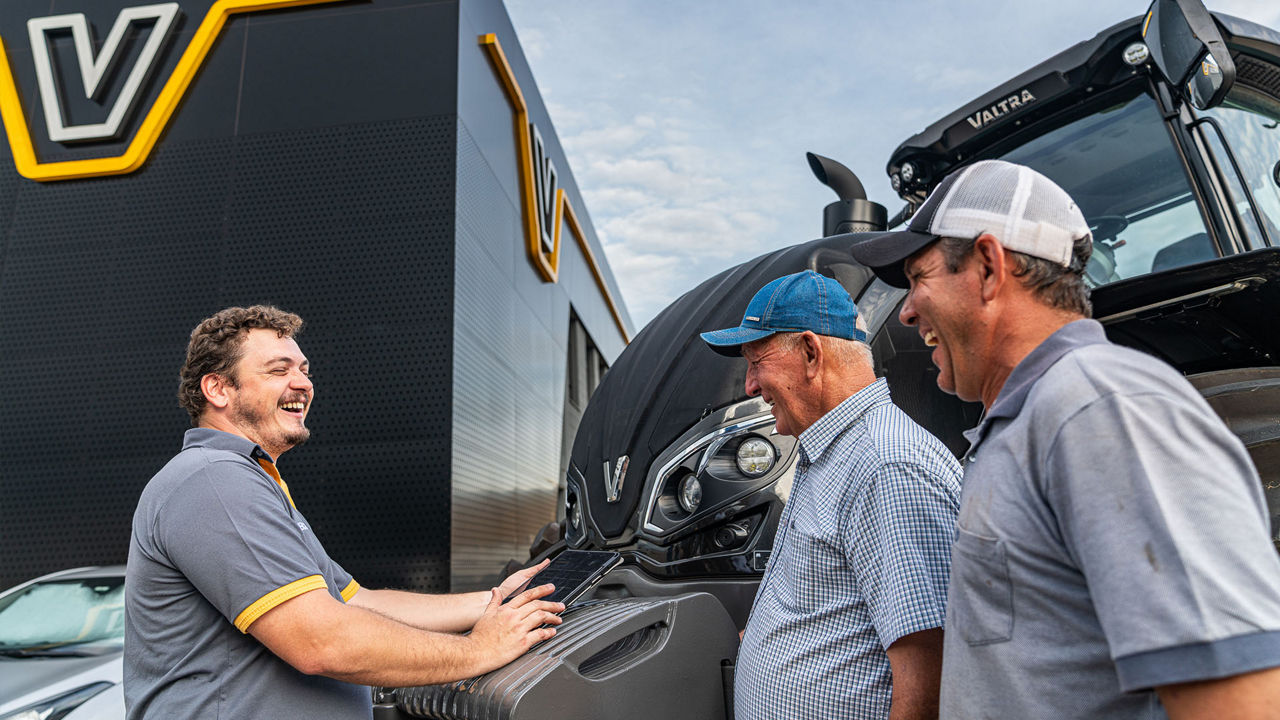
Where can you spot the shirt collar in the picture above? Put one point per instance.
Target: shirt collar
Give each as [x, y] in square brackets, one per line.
[219, 440]
[818, 437]
[1017, 386]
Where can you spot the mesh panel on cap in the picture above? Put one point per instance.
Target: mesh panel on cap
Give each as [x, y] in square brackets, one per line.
[1026, 211]
[980, 202]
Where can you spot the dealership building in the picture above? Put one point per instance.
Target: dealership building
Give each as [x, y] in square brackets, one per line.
[387, 170]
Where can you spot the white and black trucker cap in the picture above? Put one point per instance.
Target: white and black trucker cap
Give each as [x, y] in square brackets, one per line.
[1026, 211]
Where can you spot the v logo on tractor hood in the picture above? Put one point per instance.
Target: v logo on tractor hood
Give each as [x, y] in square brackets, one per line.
[1214, 315]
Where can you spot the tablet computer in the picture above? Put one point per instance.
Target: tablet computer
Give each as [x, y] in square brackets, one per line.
[573, 572]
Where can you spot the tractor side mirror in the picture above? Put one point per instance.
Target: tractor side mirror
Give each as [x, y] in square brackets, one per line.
[1189, 51]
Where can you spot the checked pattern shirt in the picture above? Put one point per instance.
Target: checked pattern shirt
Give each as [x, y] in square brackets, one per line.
[860, 559]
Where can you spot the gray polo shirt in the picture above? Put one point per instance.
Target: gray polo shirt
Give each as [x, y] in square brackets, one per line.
[217, 543]
[1113, 538]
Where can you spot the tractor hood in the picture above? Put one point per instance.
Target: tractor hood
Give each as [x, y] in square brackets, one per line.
[668, 379]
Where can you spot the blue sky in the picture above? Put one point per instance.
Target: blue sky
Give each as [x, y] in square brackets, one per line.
[685, 123]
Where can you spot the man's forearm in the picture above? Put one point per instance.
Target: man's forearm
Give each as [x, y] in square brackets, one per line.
[370, 649]
[358, 645]
[916, 663]
[319, 635]
[438, 613]
[1251, 696]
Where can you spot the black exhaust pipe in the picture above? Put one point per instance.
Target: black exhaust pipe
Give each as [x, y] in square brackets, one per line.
[853, 212]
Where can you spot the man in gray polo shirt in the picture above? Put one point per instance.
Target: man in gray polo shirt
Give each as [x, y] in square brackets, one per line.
[1112, 558]
[233, 609]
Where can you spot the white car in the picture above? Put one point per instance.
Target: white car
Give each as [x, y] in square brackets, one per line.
[62, 646]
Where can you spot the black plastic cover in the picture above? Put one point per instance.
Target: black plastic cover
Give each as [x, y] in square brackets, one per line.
[1074, 75]
[1215, 315]
[668, 379]
[618, 659]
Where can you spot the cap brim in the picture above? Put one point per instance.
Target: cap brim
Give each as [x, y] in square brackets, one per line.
[729, 342]
[886, 253]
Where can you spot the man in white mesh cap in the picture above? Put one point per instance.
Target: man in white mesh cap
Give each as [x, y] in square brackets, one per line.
[1113, 554]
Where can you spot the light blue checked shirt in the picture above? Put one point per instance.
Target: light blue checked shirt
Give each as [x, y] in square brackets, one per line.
[861, 558]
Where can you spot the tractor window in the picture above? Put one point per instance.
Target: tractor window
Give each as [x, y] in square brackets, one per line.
[1120, 166]
[1250, 120]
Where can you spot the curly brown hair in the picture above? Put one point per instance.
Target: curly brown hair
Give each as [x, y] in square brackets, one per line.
[216, 346]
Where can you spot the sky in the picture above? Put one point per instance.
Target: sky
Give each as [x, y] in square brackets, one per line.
[686, 122]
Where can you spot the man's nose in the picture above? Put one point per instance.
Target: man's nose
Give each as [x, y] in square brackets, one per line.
[752, 387]
[908, 315]
[300, 381]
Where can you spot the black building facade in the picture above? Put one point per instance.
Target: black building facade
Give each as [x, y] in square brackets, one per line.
[384, 168]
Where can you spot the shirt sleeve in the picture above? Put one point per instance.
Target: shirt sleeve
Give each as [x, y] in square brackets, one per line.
[235, 540]
[1162, 510]
[342, 579]
[899, 545]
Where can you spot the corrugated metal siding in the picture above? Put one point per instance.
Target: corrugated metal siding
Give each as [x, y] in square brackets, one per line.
[508, 385]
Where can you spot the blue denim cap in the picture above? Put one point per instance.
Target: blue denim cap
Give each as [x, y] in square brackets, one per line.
[792, 303]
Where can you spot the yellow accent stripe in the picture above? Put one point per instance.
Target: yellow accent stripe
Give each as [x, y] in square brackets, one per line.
[276, 597]
[349, 591]
[1145, 23]
[270, 467]
[15, 122]
[548, 265]
[564, 208]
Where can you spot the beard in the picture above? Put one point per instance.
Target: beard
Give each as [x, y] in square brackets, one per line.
[246, 416]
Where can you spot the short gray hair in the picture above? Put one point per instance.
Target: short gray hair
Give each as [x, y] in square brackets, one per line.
[845, 351]
[1054, 285]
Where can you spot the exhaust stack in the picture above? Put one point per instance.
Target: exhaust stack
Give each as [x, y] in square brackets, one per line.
[853, 212]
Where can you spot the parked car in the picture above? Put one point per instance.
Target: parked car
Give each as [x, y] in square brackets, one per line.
[62, 646]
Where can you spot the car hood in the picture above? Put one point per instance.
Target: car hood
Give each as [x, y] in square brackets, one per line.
[23, 677]
[1206, 317]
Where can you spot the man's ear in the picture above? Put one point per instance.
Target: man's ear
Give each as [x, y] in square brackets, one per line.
[216, 389]
[992, 265]
[811, 348]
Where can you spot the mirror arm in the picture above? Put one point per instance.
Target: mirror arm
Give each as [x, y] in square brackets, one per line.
[907, 211]
[1235, 165]
[1166, 101]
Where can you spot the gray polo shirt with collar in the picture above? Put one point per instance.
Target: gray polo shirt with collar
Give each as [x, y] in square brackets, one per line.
[1113, 538]
[216, 544]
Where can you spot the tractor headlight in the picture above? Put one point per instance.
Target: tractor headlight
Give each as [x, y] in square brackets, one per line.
[756, 456]
[1136, 54]
[689, 494]
[728, 456]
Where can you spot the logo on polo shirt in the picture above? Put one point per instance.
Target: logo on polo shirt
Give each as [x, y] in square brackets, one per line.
[303, 527]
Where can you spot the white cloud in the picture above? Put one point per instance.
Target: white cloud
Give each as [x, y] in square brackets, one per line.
[685, 124]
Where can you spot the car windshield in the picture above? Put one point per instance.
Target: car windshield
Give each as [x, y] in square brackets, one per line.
[1122, 170]
[59, 613]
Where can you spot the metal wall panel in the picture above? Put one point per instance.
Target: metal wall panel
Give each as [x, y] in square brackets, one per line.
[317, 162]
[508, 370]
[511, 340]
[307, 167]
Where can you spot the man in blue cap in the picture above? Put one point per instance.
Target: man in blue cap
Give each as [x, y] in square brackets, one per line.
[847, 621]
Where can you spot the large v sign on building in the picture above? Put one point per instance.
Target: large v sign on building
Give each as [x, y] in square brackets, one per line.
[93, 70]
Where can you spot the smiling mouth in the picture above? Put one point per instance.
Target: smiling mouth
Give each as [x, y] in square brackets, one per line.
[295, 407]
[930, 339]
